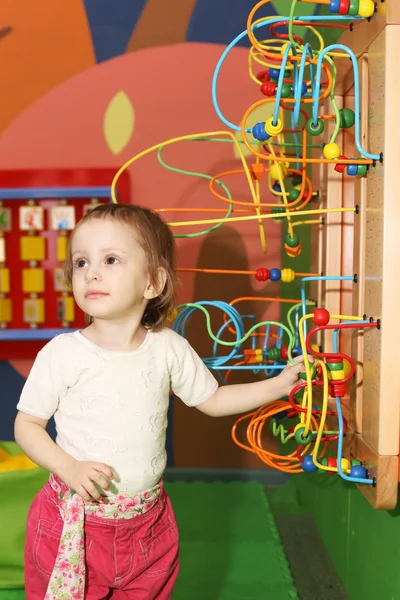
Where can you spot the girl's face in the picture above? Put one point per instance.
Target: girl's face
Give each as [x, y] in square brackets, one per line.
[110, 277]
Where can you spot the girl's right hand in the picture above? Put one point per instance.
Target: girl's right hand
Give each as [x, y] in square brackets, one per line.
[88, 479]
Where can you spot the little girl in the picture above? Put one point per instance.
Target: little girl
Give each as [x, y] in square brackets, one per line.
[103, 526]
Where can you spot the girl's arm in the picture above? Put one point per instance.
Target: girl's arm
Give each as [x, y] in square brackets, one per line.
[81, 476]
[31, 435]
[246, 397]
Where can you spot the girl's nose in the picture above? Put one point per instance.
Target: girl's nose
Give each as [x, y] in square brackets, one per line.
[92, 274]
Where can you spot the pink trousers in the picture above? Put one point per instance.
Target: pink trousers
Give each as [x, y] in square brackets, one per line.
[125, 559]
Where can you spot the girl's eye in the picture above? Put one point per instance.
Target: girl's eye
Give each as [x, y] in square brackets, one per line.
[111, 260]
[80, 263]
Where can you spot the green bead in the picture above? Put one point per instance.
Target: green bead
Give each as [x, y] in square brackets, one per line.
[362, 170]
[317, 129]
[298, 436]
[288, 74]
[356, 463]
[323, 461]
[274, 353]
[353, 9]
[276, 210]
[313, 374]
[286, 90]
[347, 118]
[334, 366]
[273, 80]
[293, 195]
[297, 181]
[292, 242]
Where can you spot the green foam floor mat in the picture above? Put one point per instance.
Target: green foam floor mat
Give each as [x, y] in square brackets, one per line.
[230, 547]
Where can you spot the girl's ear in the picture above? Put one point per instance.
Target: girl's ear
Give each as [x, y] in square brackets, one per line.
[155, 289]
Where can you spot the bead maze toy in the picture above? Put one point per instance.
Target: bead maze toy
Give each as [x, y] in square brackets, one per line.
[324, 155]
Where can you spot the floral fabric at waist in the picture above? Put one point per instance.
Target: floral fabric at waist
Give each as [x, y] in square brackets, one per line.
[71, 551]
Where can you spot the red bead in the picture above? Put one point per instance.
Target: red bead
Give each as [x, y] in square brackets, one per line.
[305, 194]
[344, 7]
[262, 274]
[290, 430]
[338, 390]
[292, 414]
[332, 462]
[284, 352]
[263, 75]
[340, 167]
[321, 316]
[319, 372]
[268, 88]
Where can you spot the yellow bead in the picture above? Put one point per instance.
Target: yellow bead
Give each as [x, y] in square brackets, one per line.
[366, 8]
[287, 275]
[346, 367]
[315, 347]
[279, 169]
[259, 355]
[346, 465]
[331, 151]
[337, 375]
[274, 129]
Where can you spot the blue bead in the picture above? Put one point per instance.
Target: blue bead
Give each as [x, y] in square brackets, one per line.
[281, 415]
[358, 471]
[352, 170]
[275, 275]
[274, 73]
[334, 6]
[276, 187]
[259, 132]
[303, 88]
[297, 351]
[308, 464]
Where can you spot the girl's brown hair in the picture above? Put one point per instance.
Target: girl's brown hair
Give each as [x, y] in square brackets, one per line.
[157, 241]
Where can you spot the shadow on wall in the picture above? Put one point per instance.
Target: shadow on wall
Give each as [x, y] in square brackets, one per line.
[222, 249]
